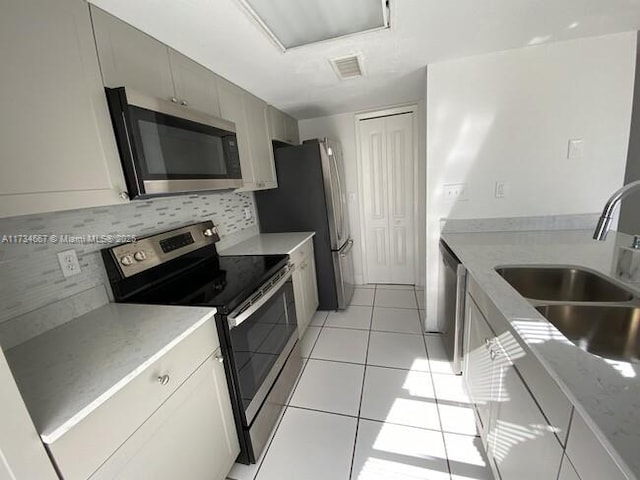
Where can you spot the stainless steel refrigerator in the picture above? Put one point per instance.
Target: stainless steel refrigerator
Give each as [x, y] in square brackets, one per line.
[311, 196]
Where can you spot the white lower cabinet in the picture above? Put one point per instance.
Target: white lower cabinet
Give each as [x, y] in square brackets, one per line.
[180, 427]
[588, 456]
[516, 433]
[478, 366]
[519, 435]
[305, 287]
[192, 435]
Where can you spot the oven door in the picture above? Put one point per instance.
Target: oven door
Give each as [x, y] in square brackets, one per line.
[166, 148]
[262, 337]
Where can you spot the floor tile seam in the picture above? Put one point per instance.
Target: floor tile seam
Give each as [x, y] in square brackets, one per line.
[394, 331]
[364, 374]
[435, 396]
[400, 333]
[397, 368]
[395, 306]
[336, 361]
[268, 446]
[318, 410]
[387, 422]
[346, 328]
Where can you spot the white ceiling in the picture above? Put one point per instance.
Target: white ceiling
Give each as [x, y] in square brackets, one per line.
[220, 35]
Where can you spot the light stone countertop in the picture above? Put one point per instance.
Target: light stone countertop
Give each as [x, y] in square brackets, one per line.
[67, 372]
[605, 392]
[269, 244]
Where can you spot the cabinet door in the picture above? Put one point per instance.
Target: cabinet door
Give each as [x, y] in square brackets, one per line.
[522, 444]
[292, 134]
[195, 85]
[277, 124]
[260, 146]
[192, 435]
[478, 371]
[131, 58]
[231, 100]
[298, 279]
[58, 148]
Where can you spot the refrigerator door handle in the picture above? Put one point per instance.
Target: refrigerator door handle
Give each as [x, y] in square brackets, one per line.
[340, 205]
[347, 248]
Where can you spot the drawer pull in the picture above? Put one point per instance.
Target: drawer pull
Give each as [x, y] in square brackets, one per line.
[163, 379]
[219, 358]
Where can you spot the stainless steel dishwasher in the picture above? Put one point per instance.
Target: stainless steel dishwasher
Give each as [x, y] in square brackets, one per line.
[451, 308]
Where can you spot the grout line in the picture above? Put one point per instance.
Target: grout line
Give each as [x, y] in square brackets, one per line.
[364, 375]
[323, 411]
[435, 397]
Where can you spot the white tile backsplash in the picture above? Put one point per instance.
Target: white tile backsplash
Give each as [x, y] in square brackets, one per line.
[30, 277]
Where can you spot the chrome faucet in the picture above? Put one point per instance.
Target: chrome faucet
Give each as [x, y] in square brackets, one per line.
[604, 223]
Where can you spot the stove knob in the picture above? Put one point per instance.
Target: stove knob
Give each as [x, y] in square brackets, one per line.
[126, 260]
[140, 256]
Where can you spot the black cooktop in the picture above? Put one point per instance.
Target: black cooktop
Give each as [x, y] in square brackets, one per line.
[216, 281]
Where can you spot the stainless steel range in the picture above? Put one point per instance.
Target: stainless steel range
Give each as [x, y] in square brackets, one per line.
[256, 317]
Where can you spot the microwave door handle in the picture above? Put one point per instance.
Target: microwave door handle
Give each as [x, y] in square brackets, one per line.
[132, 161]
[235, 319]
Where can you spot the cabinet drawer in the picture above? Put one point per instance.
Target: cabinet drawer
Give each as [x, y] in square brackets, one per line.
[80, 451]
[588, 456]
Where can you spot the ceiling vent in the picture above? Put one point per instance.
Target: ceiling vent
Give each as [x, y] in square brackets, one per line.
[348, 67]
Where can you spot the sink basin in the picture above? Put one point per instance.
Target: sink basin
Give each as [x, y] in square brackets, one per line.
[606, 331]
[563, 284]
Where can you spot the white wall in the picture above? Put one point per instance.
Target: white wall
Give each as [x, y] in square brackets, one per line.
[508, 117]
[341, 127]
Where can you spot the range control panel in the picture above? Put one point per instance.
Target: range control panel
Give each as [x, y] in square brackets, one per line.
[148, 252]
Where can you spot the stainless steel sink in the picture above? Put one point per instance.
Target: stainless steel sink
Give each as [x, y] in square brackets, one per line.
[608, 331]
[563, 284]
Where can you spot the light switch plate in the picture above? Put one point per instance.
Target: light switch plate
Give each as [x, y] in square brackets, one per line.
[501, 189]
[69, 264]
[575, 151]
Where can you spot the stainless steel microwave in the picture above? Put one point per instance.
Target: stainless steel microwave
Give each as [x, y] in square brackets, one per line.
[168, 149]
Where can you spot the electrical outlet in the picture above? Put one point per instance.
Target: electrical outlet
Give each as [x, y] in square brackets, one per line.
[69, 264]
[457, 191]
[247, 213]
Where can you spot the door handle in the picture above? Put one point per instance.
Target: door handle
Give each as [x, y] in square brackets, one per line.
[347, 249]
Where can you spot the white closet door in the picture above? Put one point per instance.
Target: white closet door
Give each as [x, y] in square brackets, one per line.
[388, 194]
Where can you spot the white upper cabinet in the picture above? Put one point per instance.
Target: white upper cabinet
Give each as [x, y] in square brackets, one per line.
[131, 58]
[264, 170]
[57, 141]
[195, 86]
[283, 127]
[250, 115]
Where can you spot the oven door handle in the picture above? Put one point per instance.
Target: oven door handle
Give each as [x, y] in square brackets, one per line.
[235, 319]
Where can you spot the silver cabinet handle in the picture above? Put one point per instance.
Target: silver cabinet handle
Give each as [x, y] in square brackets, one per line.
[219, 358]
[124, 195]
[163, 379]
[183, 103]
[174, 100]
[487, 343]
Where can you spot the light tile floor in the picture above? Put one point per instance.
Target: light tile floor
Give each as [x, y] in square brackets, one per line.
[376, 401]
